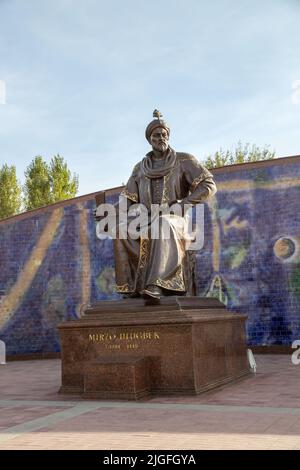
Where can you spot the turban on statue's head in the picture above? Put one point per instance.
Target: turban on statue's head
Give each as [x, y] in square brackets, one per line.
[158, 122]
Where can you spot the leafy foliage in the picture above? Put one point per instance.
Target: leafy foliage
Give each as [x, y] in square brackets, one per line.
[46, 184]
[242, 154]
[10, 192]
[63, 185]
[37, 188]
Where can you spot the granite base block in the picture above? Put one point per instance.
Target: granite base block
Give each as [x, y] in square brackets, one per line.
[118, 378]
[134, 348]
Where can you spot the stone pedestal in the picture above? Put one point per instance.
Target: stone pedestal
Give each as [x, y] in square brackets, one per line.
[133, 348]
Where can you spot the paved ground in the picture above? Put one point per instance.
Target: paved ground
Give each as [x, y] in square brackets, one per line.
[260, 412]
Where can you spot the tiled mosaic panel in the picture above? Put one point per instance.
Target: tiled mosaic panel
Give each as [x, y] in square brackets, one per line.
[51, 261]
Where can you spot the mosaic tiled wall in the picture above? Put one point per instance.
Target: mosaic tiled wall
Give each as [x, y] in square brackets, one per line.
[51, 261]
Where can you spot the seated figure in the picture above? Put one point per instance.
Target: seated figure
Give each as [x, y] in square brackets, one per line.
[154, 266]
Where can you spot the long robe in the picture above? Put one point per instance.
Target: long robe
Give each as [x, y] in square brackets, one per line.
[159, 261]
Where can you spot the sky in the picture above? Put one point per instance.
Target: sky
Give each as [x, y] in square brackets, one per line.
[82, 77]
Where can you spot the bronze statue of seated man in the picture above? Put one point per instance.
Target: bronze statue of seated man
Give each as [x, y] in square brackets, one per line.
[155, 266]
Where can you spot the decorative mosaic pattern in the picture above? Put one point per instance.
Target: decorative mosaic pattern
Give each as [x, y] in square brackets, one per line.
[51, 261]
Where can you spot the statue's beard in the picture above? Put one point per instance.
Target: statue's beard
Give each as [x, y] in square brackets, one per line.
[161, 146]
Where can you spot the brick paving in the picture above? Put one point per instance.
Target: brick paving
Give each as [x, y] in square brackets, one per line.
[259, 412]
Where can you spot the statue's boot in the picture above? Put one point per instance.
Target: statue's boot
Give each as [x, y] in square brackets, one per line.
[153, 291]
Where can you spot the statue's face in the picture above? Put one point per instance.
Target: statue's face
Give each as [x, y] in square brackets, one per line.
[159, 139]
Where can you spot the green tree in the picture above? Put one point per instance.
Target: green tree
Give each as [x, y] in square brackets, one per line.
[48, 183]
[242, 154]
[63, 185]
[37, 188]
[10, 192]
